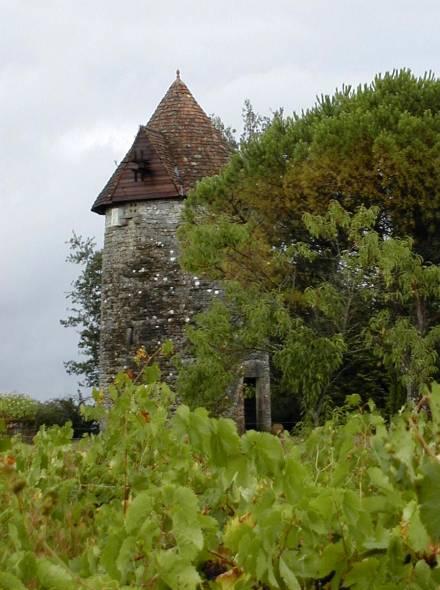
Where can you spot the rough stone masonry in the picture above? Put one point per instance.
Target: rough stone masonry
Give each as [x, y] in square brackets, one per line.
[146, 298]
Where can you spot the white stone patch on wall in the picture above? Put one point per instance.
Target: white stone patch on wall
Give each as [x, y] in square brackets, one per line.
[114, 216]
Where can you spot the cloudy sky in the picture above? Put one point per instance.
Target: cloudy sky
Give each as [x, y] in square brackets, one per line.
[77, 77]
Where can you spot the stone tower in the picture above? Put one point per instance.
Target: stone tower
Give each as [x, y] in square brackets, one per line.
[146, 298]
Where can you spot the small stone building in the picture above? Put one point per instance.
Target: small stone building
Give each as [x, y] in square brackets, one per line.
[146, 297]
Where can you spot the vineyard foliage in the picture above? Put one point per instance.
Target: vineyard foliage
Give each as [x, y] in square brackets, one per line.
[178, 500]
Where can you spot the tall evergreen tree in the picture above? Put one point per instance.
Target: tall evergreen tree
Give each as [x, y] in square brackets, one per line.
[333, 326]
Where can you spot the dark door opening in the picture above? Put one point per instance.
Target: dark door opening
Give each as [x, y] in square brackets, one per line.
[250, 403]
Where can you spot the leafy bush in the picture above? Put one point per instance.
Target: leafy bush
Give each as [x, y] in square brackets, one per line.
[62, 410]
[183, 502]
[17, 407]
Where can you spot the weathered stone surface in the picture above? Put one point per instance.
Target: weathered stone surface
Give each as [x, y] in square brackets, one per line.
[146, 297]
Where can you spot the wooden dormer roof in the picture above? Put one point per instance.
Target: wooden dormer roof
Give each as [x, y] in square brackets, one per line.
[178, 146]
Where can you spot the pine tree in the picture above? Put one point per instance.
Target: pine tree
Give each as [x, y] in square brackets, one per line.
[289, 290]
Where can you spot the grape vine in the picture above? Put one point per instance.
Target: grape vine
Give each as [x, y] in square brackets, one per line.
[178, 500]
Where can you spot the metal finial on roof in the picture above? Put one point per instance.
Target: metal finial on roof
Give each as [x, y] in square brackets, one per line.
[178, 74]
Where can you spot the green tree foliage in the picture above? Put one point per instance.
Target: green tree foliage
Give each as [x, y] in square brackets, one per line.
[375, 145]
[253, 125]
[336, 317]
[85, 308]
[20, 409]
[179, 501]
[17, 407]
[228, 132]
[59, 411]
[345, 310]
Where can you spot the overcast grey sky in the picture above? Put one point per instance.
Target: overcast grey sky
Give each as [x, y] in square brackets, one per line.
[77, 78]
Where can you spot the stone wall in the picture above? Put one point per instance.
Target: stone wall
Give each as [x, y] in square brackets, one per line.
[146, 298]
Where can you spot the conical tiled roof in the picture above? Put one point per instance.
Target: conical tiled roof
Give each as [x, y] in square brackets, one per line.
[178, 146]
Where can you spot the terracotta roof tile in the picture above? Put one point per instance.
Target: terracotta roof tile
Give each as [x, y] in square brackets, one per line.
[197, 147]
[182, 147]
